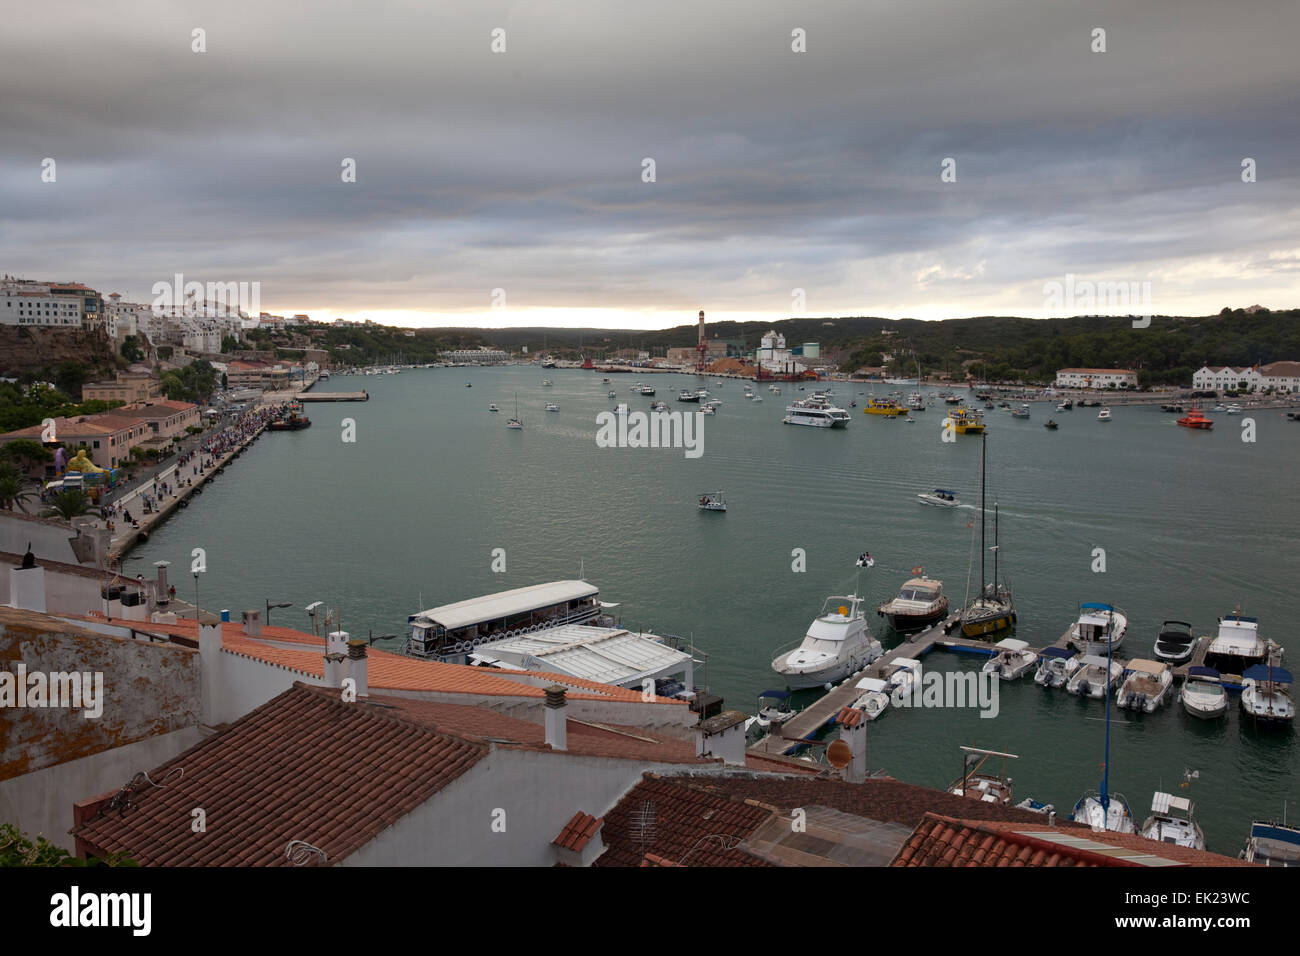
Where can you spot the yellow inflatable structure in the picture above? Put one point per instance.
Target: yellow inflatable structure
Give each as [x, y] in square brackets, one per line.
[82, 463]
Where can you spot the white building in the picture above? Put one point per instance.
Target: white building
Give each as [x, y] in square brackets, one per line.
[1281, 376]
[1096, 378]
[32, 303]
[1221, 377]
[773, 356]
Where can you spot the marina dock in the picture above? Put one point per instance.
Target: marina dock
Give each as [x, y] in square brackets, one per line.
[361, 396]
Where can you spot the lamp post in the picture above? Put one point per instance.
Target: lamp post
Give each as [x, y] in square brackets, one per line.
[311, 612]
[269, 605]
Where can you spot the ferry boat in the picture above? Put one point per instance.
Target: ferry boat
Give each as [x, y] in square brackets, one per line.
[1202, 695]
[1013, 659]
[964, 423]
[883, 406]
[1265, 696]
[1056, 665]
[1171, 822]
[1272, 844]
[816, 414]
[939, 498]
[1098, 626]
[1194, 419]
[1238, 645]
[712, 501]
[919, 603]
[1147, 687]
[837, 644]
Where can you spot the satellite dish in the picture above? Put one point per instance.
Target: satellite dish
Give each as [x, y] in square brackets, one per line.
[838, 754]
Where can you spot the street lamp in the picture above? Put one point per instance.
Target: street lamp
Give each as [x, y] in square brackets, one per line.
[269, 605]
[311, 612]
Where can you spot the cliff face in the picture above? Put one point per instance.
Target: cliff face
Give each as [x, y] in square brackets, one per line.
[25, 349]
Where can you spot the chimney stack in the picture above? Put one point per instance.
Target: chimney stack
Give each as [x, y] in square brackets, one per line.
[334, 669]
[853, 731]
[357, 669]
[722, 736]
[253, 623]
[557, 727]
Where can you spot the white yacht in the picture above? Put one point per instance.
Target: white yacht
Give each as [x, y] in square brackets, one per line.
[1234, 410]
[838, 643]
[1171, 822]
[1103, 415]
[1096, 623]
[939, 498]
[1091, 679]
[1148, 686]
[1238, 645]
[1266, 697]
[492, 407]
[874, 699]
[552, 407]
[1202, 695]
[1114, 815]
[1056, 665]
[1013, 659]
[817, 414]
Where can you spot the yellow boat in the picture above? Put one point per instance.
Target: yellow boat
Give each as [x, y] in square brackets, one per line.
[963, 423]
[883, 406]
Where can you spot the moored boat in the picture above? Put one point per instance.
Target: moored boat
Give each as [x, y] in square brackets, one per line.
[1272, 844]
[919, 603]
[1104, 811]
[1202, 695]
[1175, 644]
[1266, 697]
[975, 783]
[1013, 660]
[1095, 677]
[963, 422]
[1056, 665]
[1171, 821]
[838, 643]
[882, 406]
[1099, 626]
[874, 699]
[1237, 646]
[1147, 686]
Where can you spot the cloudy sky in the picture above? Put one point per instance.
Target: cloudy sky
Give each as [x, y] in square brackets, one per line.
[774, 170]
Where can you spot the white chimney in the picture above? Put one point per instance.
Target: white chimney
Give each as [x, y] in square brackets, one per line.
[27, 589]
[253, 623]
[722, 736]
[336, 642]
[357, 668]
[210, 674]
[557, 721]
[853, 731]
[334, 669]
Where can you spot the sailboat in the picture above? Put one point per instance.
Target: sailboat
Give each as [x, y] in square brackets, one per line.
[515, 421]
[1105, 810]
[994, 610]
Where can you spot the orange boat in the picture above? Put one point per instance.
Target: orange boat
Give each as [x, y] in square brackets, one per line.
[1194, 419]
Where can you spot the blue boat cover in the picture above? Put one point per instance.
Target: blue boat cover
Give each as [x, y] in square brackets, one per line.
[1198, 671]
[1093, 606]
[775, 694]
[1061, 652]
[1277, 675]
[943, 491]
[1273, 831]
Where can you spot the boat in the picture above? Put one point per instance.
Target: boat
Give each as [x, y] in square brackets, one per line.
[712, 501]
[1065, 406]
[1266, 696]
[552, 407]
[1175, 407]
[1175, 644]
[874, 699]
[702, 392]
[1035, 806]
[1238, 645]
[547, 381]
[1147, 687]
[816, 414]
[773, 709]
[1272, 844]
[294, 421]
[612, 393]
[838, 643]
[919, 603]
[964, 423]
[515, 421]
[1202, 695]
[978, 784]
[1103, 810]
[903, 678]
[1091, 679]
[1194, 419]
[646, 390]
[939, 498]
[1219, 408]
[663, 407]
[1021, 411]
[1171, 822]
[1013, 659]
[915, 402]
[882, 406]
[1103, 415]
[467, 384]
[1056, 665]
[1233, 409]
[994, 610]
[1051, 425]
[686, 395]
[1099, 626]
[493, 407]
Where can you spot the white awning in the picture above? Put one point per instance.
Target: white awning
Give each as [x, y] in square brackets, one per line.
[494, 607]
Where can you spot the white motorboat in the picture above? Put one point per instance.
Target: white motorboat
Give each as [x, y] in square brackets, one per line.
[661, 407]
[712, 501]
[1171, 822]
[646, 390]
[1238, 645]
[702, 392]
[838, 643]
[1013, 659]
[939, 498]
[758, 398]
[613, 394]
[1104, 812]
[1202, 695]
[1266, 696]
[816, 414]
[1103, 415]
[903, 678]
[493, 407]
[874, 699]
[1091, 679]
[1056, 665]
[1096, 624]
[686, 395]
[547, 381]
[1175, 644]
[1234, 409]
[1272, 844]
[773, 709]
[1219, 408]
[552, 407]
[1147, 687]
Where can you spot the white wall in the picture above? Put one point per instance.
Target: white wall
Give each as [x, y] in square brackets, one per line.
[64, 593]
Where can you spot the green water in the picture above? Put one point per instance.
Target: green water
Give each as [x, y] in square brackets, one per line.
[407, 517]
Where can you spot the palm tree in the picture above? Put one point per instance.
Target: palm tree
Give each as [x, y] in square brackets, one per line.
[13, 491]
[68, 505]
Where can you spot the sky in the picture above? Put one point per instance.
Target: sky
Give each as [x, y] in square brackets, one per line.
[510, 188]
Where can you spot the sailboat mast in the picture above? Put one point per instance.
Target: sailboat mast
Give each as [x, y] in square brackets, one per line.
[983, 445]
[995, 547]
[1105, 767]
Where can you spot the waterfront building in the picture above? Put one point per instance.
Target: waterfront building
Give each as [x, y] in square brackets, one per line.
[27, 303]
[1096, 378]
[1221, 377]
[1281, 376]
[109, 436]
[126, 387]
[479, 356]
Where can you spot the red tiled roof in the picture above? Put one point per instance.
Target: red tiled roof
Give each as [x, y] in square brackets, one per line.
[302, 767]
[849, 717]
[577, 833]
[943, 841]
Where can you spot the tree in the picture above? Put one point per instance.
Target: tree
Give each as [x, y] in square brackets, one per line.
[13, 488]
[70, 376]
[131, 350]
[17, 850]
[67, 505]
[26, 452]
